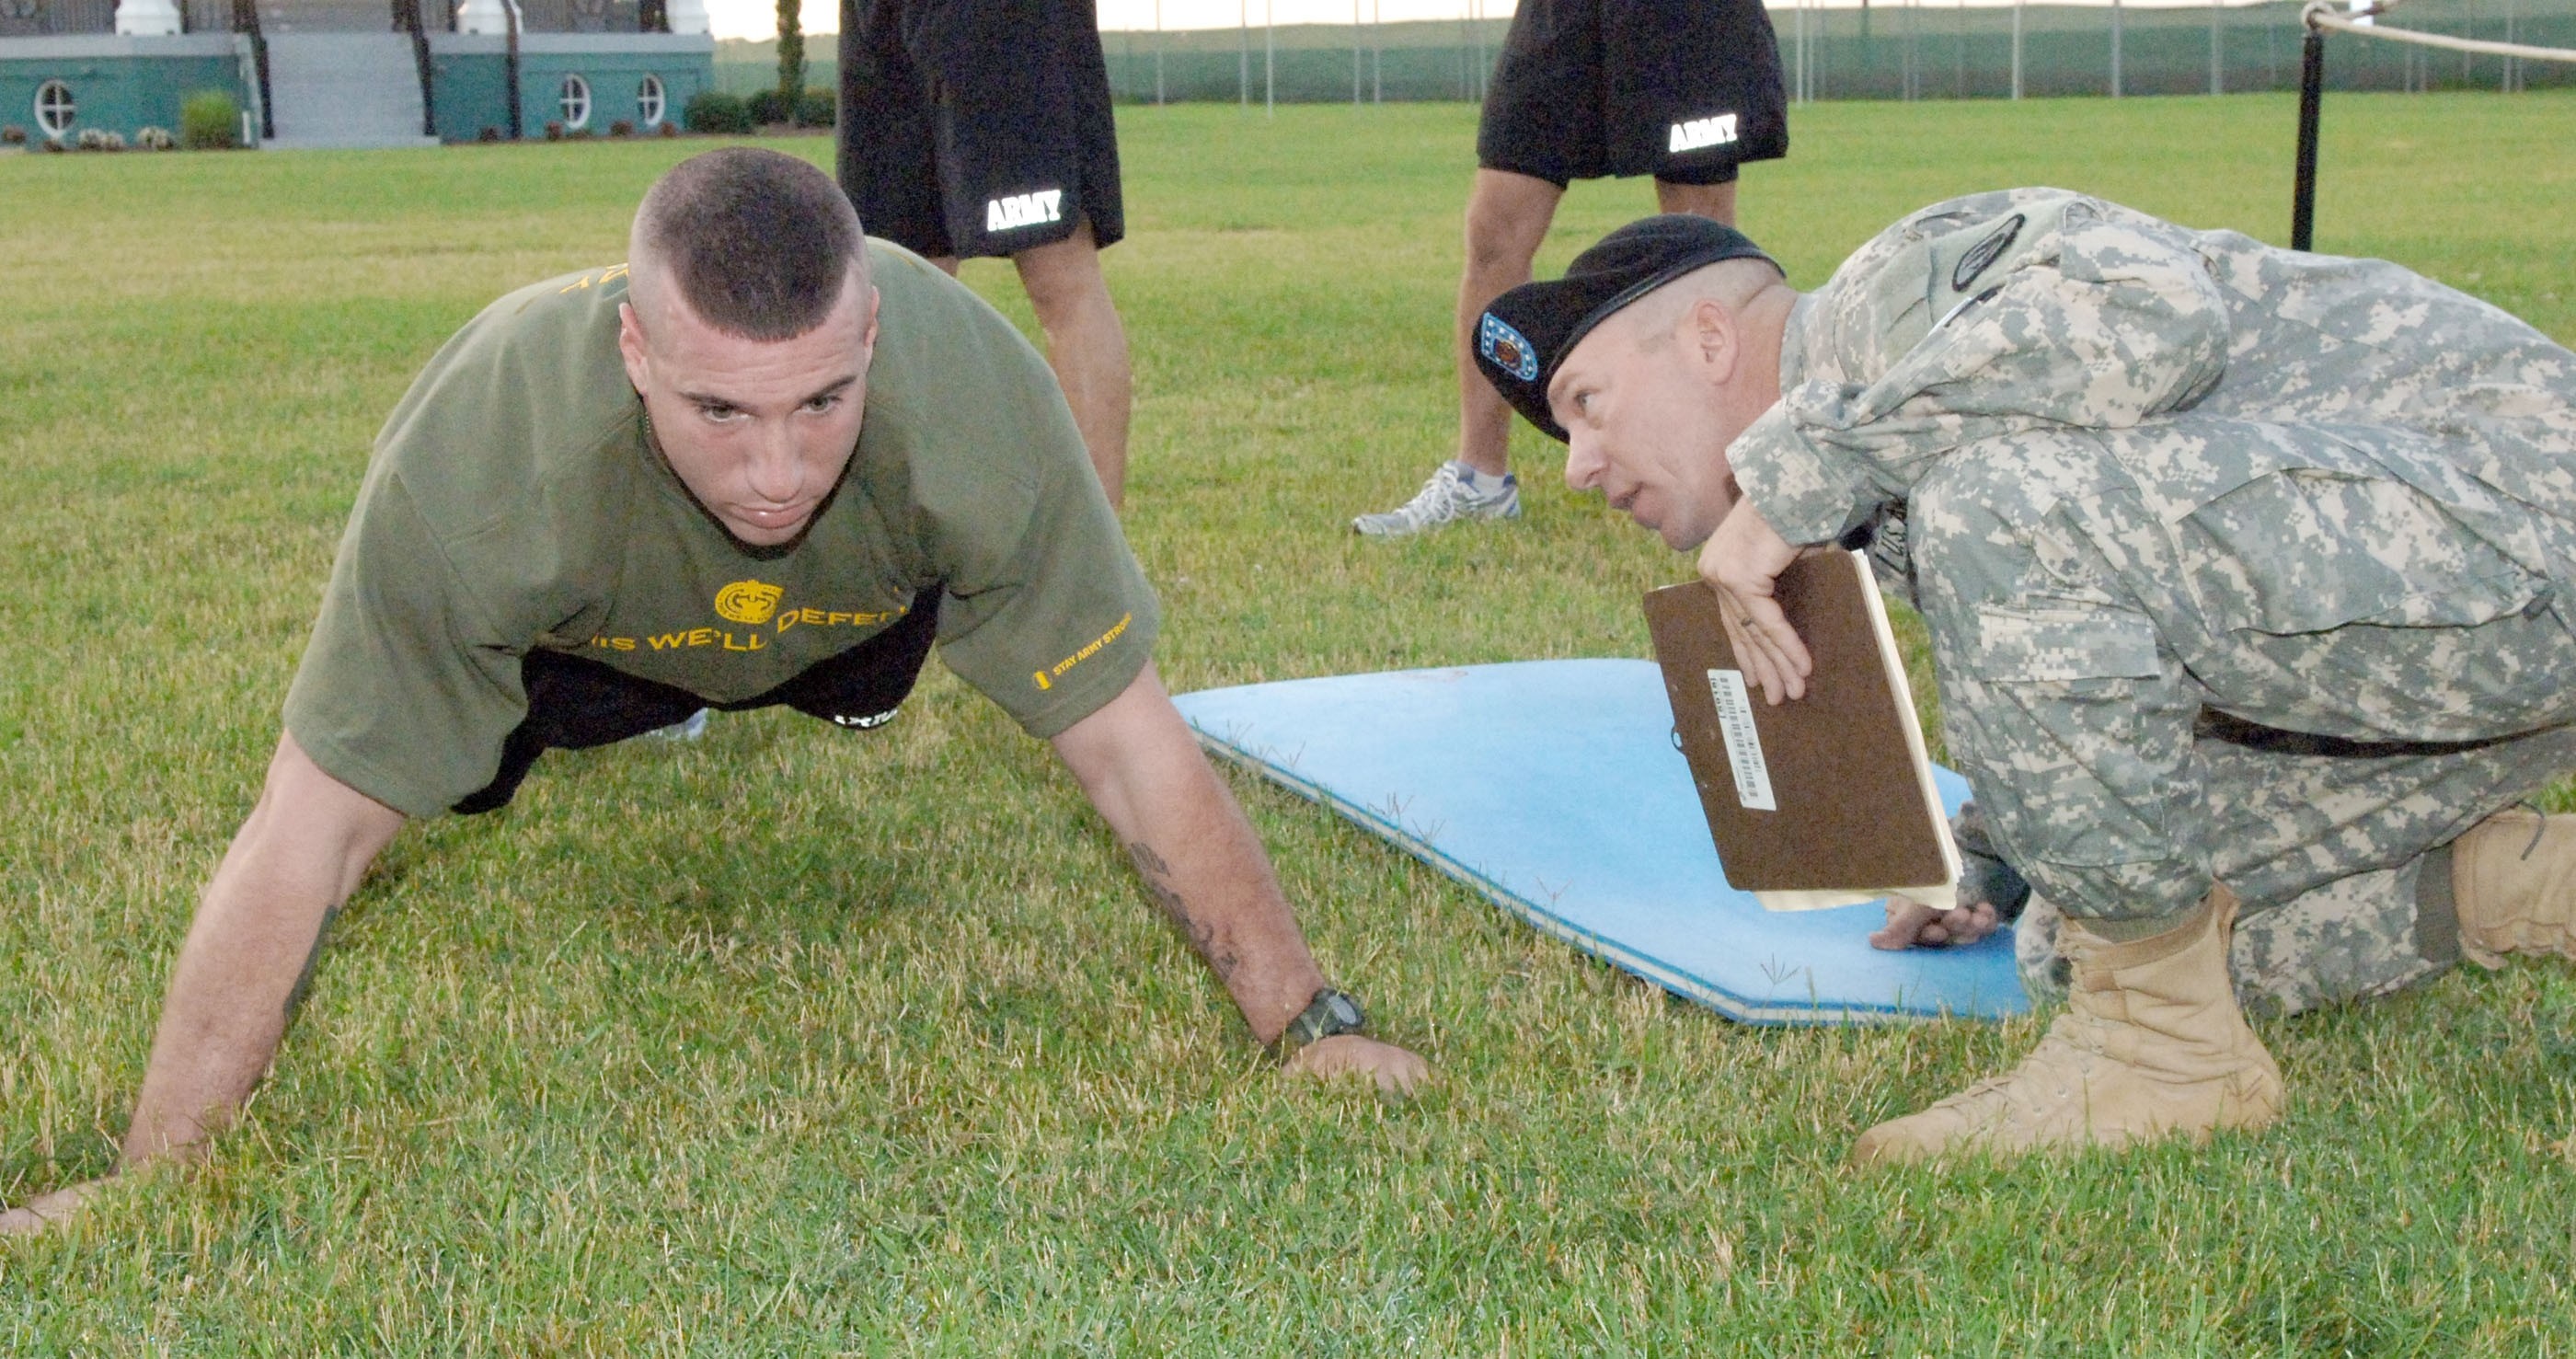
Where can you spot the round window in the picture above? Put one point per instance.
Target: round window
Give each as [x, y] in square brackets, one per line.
[576, 101]
[54, 108]
[650, 101]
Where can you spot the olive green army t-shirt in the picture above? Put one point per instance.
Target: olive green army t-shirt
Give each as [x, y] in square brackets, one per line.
[515, 501]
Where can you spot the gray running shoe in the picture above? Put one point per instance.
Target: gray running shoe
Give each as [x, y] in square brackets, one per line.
[1443, 500]
[688, 728]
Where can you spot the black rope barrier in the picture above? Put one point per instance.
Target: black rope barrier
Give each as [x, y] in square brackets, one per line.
[2312, 98]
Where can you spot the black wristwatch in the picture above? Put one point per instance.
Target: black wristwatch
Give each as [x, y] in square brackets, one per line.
[1329, 1013]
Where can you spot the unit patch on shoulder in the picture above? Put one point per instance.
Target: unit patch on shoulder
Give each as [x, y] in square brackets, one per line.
[1506, 348]
[1985, 253]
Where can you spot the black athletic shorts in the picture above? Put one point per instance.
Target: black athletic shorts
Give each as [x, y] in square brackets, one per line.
[575, 703]
[977, 127]
[1684, 90]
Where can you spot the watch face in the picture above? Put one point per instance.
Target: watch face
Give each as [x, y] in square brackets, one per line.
[1329, 1013]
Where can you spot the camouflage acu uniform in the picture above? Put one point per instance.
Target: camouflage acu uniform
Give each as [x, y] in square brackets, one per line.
[2239, 563]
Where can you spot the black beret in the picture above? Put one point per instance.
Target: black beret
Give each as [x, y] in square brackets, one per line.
[1527, 332]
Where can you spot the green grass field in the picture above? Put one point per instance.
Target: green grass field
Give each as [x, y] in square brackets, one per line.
[792, 1042]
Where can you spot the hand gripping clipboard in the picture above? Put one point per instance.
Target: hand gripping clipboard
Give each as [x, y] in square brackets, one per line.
[1825, 800]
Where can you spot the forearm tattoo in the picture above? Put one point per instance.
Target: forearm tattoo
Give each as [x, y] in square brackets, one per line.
[1157, 876]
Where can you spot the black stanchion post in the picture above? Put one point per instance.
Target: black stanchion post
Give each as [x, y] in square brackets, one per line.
[2312, 94]
[510, 68]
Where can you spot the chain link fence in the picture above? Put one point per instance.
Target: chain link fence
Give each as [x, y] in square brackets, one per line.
[1931, 50]
[1880, 51]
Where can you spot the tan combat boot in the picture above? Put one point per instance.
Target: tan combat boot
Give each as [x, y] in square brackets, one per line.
[2150, 1043]
[2513, 879]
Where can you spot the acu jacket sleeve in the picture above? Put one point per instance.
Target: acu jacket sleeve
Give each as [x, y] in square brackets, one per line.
[1980, 316]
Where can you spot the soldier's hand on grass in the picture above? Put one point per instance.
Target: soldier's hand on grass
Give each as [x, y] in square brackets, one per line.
[38, 1214]
[1743, 560]
[1912, 924]
[1396, 1071]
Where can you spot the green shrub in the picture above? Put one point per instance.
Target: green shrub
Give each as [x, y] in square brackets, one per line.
[716, 111]
[817, 109]
[769, 107]
[209, 120]
[622, 128]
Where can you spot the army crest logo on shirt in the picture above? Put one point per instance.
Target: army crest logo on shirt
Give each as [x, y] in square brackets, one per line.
[749, 602]
[1506, 348]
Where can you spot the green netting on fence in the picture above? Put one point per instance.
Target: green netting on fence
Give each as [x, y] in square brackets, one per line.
[1947, 52]
[1305, 63]
[751, 77]
[1887, 51]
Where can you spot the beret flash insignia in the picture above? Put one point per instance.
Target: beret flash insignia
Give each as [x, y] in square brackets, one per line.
[1506, 348]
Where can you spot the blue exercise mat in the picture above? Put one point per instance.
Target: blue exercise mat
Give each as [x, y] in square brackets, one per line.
[1553, 788]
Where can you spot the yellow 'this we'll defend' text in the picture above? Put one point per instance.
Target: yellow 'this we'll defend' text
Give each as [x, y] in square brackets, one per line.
[750, 639]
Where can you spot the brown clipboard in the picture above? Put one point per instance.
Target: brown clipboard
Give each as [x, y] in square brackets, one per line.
[1831, 792]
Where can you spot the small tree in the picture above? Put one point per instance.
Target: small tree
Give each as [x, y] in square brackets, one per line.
[791, 55]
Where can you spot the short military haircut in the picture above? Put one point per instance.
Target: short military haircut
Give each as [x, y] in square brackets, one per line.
[758, 243]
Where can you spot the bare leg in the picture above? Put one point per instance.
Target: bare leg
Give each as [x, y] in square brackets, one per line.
[1715, 202]
[1086, 345]
[1507, 217]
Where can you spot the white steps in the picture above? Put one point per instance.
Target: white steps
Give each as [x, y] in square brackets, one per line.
[344, 89]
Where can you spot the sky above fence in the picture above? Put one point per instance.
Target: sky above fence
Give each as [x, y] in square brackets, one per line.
[759, 18]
